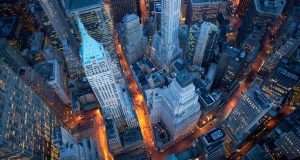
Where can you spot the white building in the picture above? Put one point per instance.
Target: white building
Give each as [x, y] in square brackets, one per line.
[135, 41]
[166, 42]
[177, 105]
[97, 66]
[90, 148]
[202, 41]
[56, 82]
[72, 152]
[70, 149]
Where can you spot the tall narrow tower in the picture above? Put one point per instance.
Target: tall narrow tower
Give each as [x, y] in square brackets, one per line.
[97, 67]
[168, 50]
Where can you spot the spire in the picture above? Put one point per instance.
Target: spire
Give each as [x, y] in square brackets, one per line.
[81, 27]
[90, 50]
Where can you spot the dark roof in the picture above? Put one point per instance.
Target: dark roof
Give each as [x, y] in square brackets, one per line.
[184, 78]
[214, 135]
[78, 4]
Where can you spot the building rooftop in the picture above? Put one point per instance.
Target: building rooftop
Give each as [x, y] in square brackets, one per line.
[130, 136]
[256, 95]
[214, 135]
[184, 78]
[74, 5]
[206, 98]
[91, 50]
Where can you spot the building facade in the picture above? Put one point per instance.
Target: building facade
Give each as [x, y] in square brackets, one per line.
[135, 41]
[95, 15]
[100, 76]
[57, 83]
[244, 118]
[205, 44]
[260, 17]
[166, 42]
[179, 106]
[58, 19]
[26, 122]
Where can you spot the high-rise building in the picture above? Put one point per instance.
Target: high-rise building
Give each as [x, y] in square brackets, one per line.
[100, 76]
[166, 42]
[192, 41]
[228, 54]
[179, 106]
[120, 8]
[135, 41]
[61, 137]
[41, 17]
[56, 81]
[261, 16]
[252, 47]
[229, 78]
[90, 148]
[212, 144]
[26, 122]
[206, 10]
[59, 22]
[53, 74]
[205, 44]
[288, 48]
[244, 118]
[71, 149]
[95, 16]
[113, 137]
[34, 80]
[73, 63]
[285, 76]
[288, 144]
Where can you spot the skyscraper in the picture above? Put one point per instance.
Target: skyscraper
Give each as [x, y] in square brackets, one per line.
[206, 10]
[261, 16]
[56, 81]
[26, 122]
[34, 80]
[212, 144]
[205, 44]
[166, 42]
[288, 48]
[288, 144]
[100, 76]
[229, 79]
[228, 54]
[244, 118]
[120, 8]
[178, 105]
[58, 20]
[135, 41]
[280, 83]
[95, 16]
